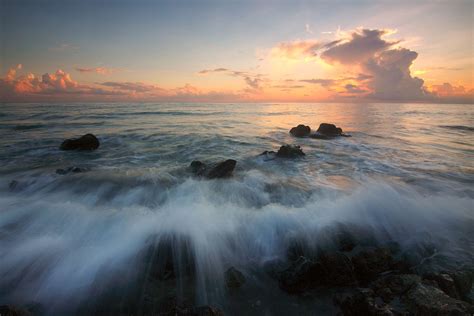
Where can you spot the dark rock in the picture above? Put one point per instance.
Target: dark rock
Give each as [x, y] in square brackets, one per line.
[390, 286]
[86, 142]
[300, 131]
[425, 299]
[290, 151]
[361, 301]
[10, 310]
[223, 169]
[369, 263]
[70, 170]
[234, 278]
[198, 168]
[337, 270]
[300, 276]
[463, 281]
[328, 131]
[202, 311]
[170, 307]
[445, 282]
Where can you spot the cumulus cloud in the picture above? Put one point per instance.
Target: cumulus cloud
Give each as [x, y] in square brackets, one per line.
[97, 70]
[360, 46]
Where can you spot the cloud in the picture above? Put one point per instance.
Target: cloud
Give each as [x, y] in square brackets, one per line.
[353, 89]
[64, 47]
[253, 81]
[97, 70]
[307, 28]
[322, 82]
[296, 50]
[361, 45]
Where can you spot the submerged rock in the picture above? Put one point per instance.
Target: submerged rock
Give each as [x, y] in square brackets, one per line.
[290, 151]
[234, 278]
[327, 131]
[86, 142]
[300, 130]
[223, 169]
[369, 263]
[70, 170]
[425, 299]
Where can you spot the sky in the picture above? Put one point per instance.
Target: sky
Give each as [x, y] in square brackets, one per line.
[237, 51]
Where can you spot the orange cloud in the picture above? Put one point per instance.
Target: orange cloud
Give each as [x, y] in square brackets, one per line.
[296, 50]
[97, 70]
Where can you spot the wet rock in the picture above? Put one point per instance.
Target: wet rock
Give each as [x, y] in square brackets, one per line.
[328, 131]
[369, 263]
[290, 151]
[390, 286]
[170, 307]
[362, 301]
[86, 142]
[205, 310]
[300, 276]
[197, 167]
[234, 278]
[70, 170]
[300, 131]
[332, 269]
[425, 299]
[337, 270]
[463, 281]
[10, 310]
[222, 169]
[445, 282]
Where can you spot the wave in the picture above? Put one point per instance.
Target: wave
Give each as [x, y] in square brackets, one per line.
[59, 246]
[459, 127]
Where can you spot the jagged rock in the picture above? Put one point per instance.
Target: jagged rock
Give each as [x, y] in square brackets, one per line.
[362, 301]
[390, 286]
[463, 281]
[327, 131]
[290, 151]
[425, 299]
[234, 278]
[299, 276]
[10, 310]
[223, 169]
[300, 131]
[445, 282]
[369, 263]
[86, 142]
[70, 170]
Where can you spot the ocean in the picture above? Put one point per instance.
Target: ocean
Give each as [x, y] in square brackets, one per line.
[80, 242]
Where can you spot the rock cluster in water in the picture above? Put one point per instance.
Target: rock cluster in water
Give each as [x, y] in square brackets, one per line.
[325, 131]
[86, 142]
[285, 151]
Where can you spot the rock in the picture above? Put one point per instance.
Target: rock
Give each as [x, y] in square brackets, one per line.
[70, 170]
[332, 269]
[86, 142]
[300, 276]
[369, 263]
[425, 299]
[337, 270]
[361, 301]
[463, 281]
[198, 168]
[10, 310]
[290, 151]
[223, 169]
[234, 278]
[390, 286]
[300, 131]
[205, 310]
[327, 131]
[445, 282]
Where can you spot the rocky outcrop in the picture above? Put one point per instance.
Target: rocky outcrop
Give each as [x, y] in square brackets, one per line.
[328, 131]
[234, 278]
[290, 151]
[300, 131]
[369, 263]
[222, 169]
[86, 142]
